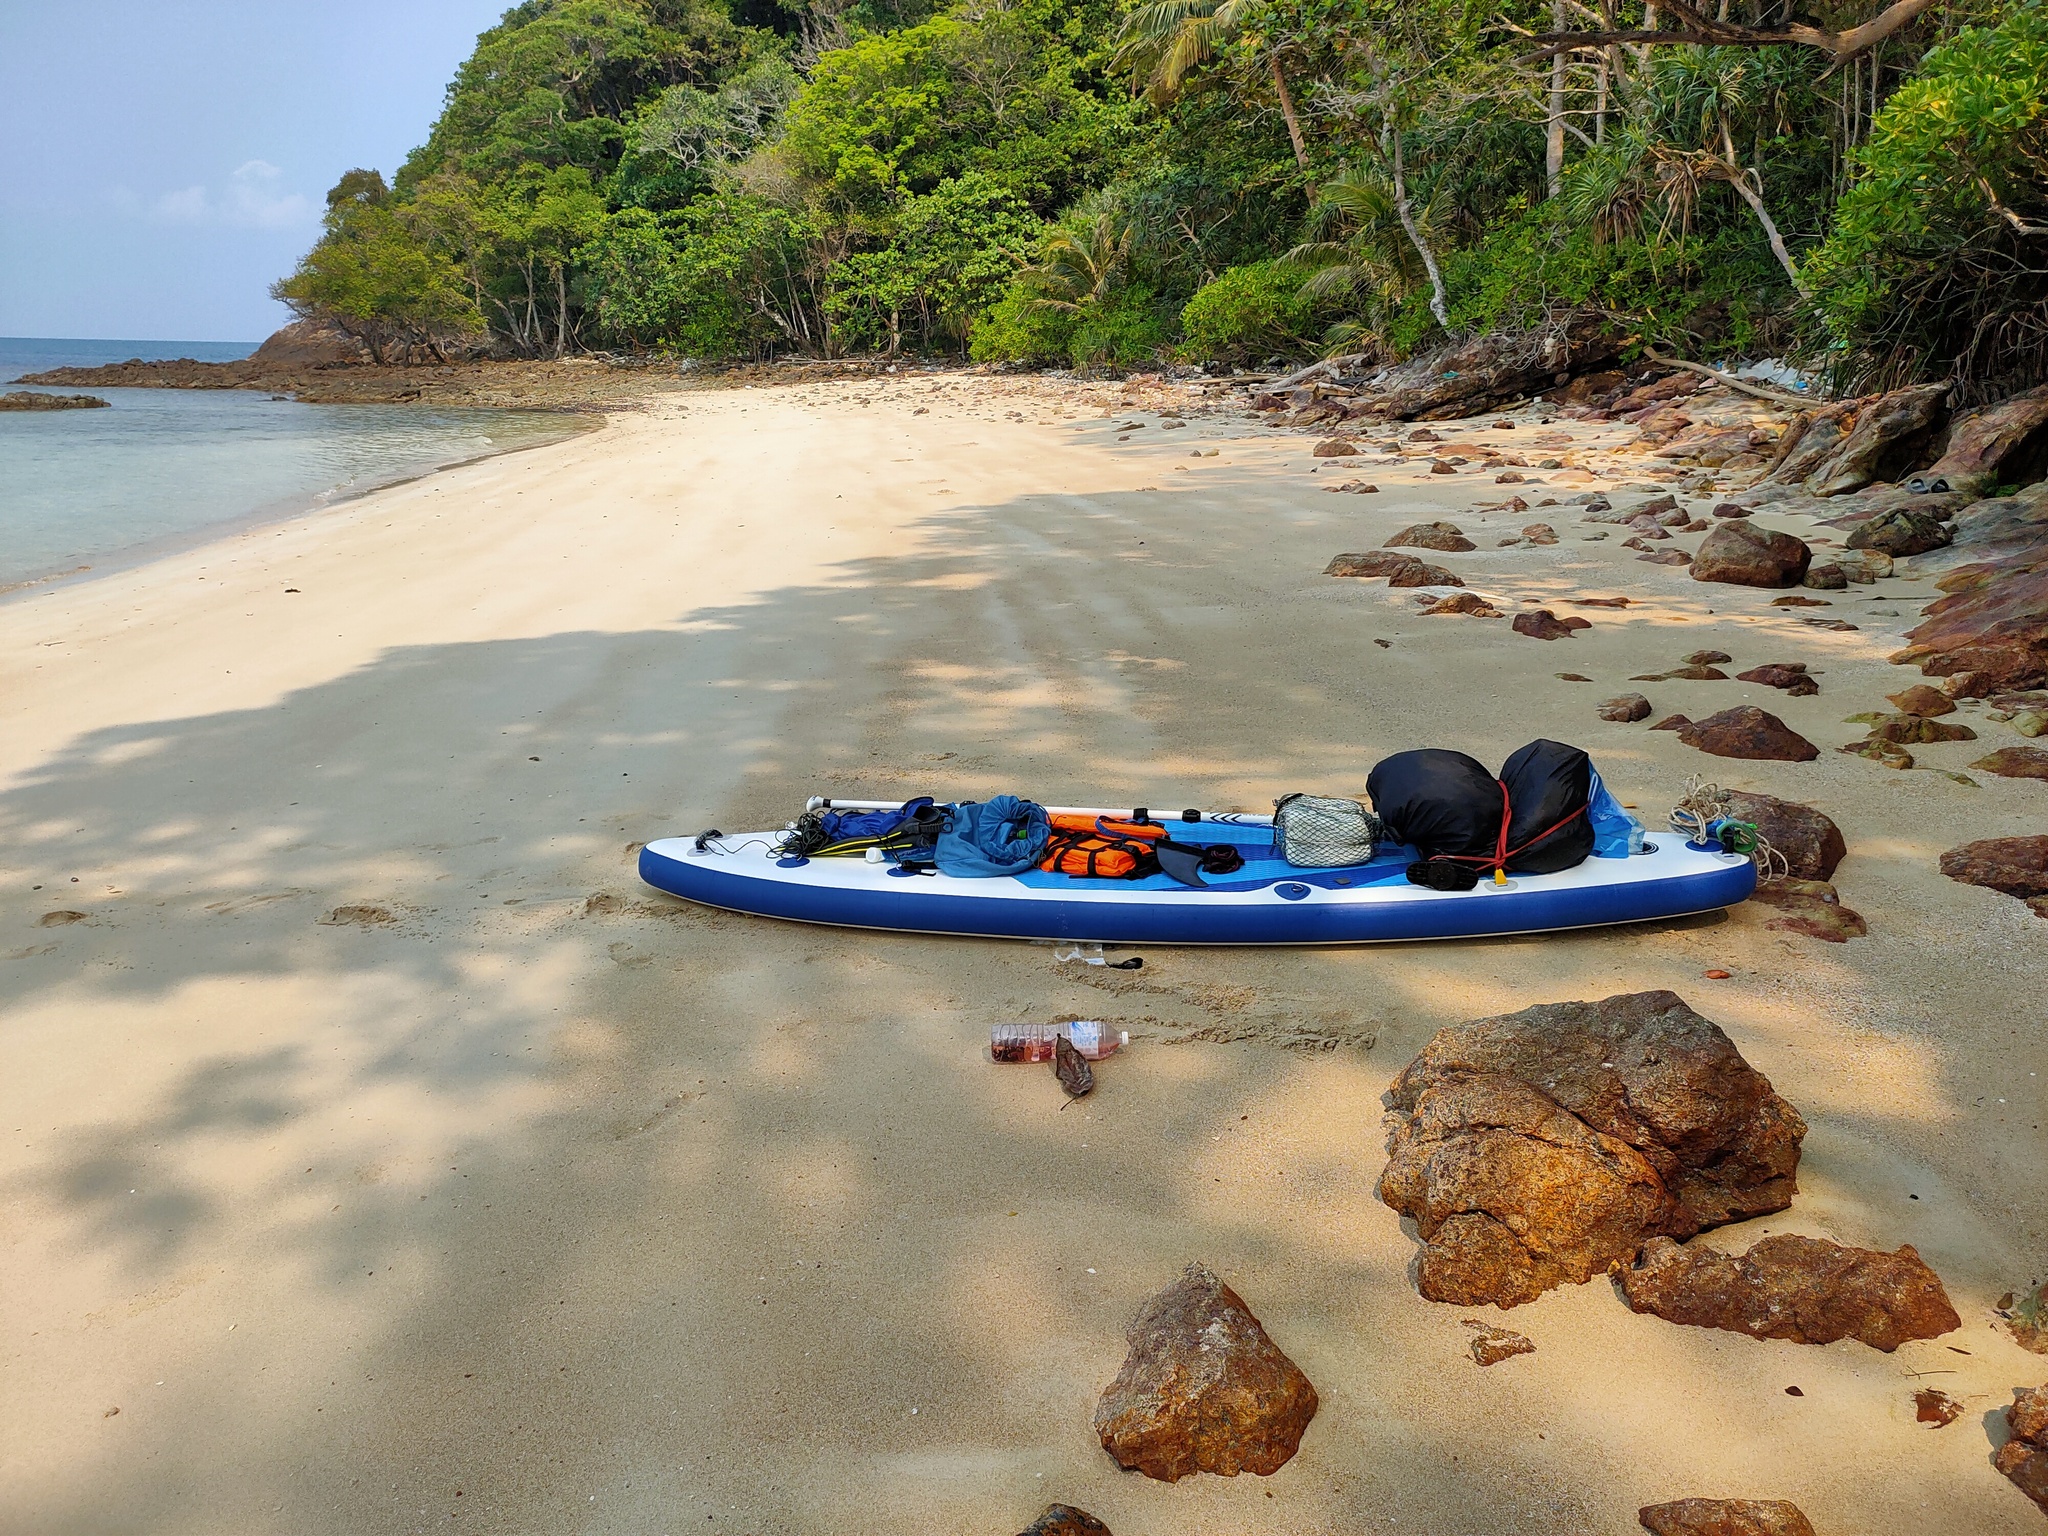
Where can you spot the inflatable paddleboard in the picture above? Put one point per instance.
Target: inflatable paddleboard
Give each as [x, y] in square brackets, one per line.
[1268, 901]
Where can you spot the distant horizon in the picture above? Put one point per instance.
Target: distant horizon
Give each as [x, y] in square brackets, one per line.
[155, 341]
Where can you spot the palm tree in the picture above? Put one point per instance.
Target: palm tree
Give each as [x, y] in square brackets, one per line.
[1168, 38]
[1363, 246]
[1081, 267]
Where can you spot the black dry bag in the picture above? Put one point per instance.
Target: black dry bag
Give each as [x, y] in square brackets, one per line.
[1549, 785]
[1442, 804]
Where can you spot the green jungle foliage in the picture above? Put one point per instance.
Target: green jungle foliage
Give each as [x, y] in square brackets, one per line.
[1111, 184]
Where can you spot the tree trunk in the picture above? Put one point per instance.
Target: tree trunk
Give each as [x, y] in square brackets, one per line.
[561, 310]
[1553, 136]
[1438, 304]
[1287, 111]
[1753, 195]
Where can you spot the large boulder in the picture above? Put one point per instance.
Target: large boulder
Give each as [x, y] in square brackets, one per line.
[1810, 841]
[2006, 442]
[1724, 1517]
[1745, 555]
[1544, 1147]
[1901, 532]
[310, 344]
[1203, 1388]
[2024, 1457]
[1888, 435]
[1748, 732]
[1804, 1289]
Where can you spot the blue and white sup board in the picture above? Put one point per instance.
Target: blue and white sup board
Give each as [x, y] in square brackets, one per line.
[1268, 901]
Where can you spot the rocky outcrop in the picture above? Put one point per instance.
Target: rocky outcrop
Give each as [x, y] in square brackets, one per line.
[1749, 556]
[1810, 907]
[2024, 1458]
[1846, 446]
[1803, 1289]
[1810, 841]
[1447, 537]
[1544, 1147]
[1065, 1520]
[310, 344]
[2018, 866]
[1400, 570]
[1489, 370]
[1748, 732]
[1989, 634]
[1905, 531]
[1624, 709]
[1203, 1388]
[2003, 443]
[34, 400]
[1724, 1517]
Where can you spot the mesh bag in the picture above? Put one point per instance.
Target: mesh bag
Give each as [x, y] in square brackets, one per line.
[1322, 832]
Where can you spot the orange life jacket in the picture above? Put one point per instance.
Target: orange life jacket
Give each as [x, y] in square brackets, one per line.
[1101, 848]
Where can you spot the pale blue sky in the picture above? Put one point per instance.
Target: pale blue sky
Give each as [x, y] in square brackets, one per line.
[161, 164]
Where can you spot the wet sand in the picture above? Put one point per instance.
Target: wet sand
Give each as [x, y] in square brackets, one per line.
[391, 1160]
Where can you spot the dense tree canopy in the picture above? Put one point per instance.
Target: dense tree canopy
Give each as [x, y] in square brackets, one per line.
[1117, 183]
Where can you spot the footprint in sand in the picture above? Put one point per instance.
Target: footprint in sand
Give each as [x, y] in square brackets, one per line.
[61, 918]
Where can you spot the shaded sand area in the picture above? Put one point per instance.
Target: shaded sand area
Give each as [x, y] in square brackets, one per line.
[392, 1161]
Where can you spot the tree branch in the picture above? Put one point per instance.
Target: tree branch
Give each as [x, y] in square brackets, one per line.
[1705, 31]
[1776, 397]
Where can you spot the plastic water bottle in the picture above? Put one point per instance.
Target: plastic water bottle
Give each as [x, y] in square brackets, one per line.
[1034, 1042]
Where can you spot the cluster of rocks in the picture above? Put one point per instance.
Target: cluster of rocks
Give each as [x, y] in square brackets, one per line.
[35, 400]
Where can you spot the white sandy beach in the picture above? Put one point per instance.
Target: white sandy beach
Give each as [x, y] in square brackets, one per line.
[548, 1205]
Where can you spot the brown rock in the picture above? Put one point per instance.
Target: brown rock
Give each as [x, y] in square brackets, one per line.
[2000, 442]
[1888, 434]
[1491, 1345]
[1788, 675]
[1463, 602]
[1543, 1146]
[1901, 532]
[1888, 753]
[2024, 1458]
[1916, 730]
[2015, 763]
[1625, 708]
[1417, 573]
[1439, 536]
[1729, 509]
[1707, 658]
[1992, 624]
[1811, 843]
[1666, 557]
[1799, 1288]
[1542, 624]
[1672, 723]
[1923, 700]
[1203, 1388]
[1864, 566]
[1724, 1517]
[2026, 1318]
[1442, 467]
[1745, 555]
[1800, 602]
[2018, 866]
[35, 400]
[1683, 674]
[1600, 602]
[1571, 677]
[310, 344]
[1540, 533]
[1811, 907]
[1932, 1406]
[1065, 1520]
[1371, 563]
[1511, 477]
[1749, 732]
[1334, 448]
[1826, 578]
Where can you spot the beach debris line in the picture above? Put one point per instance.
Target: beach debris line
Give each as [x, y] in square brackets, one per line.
[1544, 1147]
[1203, 1388]
[1724, 1517]
[1804, 1289]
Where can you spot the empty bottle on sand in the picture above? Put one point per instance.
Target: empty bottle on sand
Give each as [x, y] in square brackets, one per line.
[1034, 1042]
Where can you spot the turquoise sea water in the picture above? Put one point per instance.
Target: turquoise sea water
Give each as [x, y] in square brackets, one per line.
[165, 467]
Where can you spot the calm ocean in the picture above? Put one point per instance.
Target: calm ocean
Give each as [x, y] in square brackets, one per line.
[166, 467]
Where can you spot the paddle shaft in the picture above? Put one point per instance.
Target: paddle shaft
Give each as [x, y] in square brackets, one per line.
[1120, 813]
